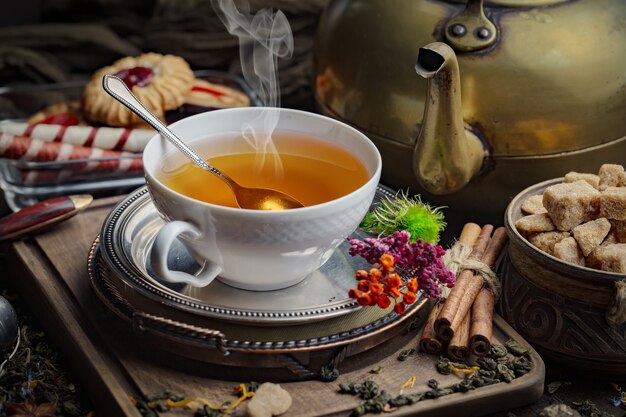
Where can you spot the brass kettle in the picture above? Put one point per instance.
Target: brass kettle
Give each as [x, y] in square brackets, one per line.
[516, 91]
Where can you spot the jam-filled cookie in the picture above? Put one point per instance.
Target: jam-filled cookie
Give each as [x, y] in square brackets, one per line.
[160, 82]
[66, 113]
[206, 94]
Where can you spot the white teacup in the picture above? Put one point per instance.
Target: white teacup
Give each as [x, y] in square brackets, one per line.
[254, 249]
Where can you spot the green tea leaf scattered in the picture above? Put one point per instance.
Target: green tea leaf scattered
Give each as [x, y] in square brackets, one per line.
[328, 373]
[554, 386]
[405, 354]
[588, 409]
[499, 365]
[376, 370]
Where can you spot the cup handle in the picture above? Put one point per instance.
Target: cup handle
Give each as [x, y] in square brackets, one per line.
[161, 247]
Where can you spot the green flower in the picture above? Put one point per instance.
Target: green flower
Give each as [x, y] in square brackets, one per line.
[405, 213]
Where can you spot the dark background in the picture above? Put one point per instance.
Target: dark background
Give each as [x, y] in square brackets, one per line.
[51, 41]
[48, 41]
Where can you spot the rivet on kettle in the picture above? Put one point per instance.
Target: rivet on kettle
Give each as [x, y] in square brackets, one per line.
[482, 33]
[457, 30]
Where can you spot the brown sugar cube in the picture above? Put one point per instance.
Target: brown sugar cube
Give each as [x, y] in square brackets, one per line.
[591, 260]
[592, 179]
[571, 204]
[269, 400]
[613, 203]
[618, 229]
[535, 223]
[611, 258]
[610, 239]
[622, 180]
[534, 205]
[568, 250]
[546, 241]
[610, 175]
[589, 235]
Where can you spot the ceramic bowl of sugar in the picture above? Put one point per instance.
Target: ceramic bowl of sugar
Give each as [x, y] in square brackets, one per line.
[561, 287]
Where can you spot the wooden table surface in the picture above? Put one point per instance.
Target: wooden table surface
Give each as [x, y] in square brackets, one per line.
[50, 272]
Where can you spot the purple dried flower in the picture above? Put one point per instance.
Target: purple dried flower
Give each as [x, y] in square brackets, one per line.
[420, 260]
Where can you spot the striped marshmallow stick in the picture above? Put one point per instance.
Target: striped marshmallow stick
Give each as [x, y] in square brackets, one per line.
[28, 149]
[118, 139]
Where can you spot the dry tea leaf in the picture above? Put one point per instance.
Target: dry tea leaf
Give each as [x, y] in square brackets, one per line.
[555, 385]
[376, 370]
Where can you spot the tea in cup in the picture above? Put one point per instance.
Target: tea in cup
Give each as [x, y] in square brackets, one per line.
[330, 167]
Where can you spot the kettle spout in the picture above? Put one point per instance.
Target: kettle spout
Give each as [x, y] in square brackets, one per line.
[446, 155]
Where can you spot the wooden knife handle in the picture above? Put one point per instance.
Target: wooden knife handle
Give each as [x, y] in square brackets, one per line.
[41, 215]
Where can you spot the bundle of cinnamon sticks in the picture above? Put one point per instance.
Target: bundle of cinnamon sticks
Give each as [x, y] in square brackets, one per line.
[465, 319]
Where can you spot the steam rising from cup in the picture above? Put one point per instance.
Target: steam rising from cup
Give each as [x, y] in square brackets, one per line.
[263, 38]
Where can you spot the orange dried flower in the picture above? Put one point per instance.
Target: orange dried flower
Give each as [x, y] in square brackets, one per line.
[393, 291]
[384, 301]
[375, 274]
[376, 288]
[361, 274]
[399, 308]
[381, 286]
[353, 293]
[386, 260]
[394, 280]
[374, 299]
[364, 299]
[409, 297]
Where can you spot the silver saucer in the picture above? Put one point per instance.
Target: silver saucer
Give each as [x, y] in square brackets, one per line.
[126, 239]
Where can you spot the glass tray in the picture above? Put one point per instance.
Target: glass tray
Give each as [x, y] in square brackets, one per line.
[26, 183]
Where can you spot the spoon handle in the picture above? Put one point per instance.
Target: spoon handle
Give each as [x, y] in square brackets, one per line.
[120, 91]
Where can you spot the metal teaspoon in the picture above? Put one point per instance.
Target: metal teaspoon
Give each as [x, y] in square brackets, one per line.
[247, 197]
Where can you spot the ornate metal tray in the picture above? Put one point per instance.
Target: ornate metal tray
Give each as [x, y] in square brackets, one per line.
[209, 346]
[286, 334]
[126, 239]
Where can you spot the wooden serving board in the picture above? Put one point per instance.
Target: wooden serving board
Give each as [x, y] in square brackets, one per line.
[51, 269]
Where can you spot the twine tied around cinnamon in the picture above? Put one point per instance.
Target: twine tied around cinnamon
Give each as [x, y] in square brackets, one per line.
[457, 258]
[616, 310]
[465, 318]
